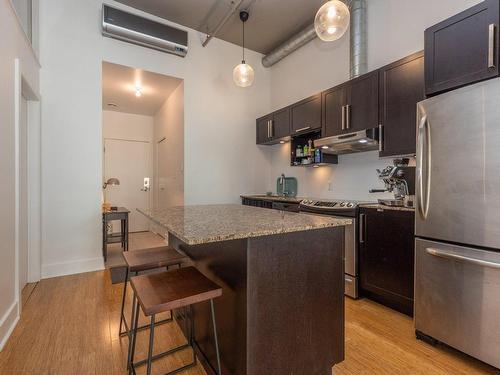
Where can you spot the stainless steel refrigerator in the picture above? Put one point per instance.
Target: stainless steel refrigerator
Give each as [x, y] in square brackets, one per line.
[457, 259]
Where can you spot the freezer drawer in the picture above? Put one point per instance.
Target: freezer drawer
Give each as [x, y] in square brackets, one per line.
[457, 298]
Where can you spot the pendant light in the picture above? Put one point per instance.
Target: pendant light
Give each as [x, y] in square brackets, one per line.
[243, 73]
[332, 20]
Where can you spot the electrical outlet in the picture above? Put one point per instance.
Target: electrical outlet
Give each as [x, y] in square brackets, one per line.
[330, 186]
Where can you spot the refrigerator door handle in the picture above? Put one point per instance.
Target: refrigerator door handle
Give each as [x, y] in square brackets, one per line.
[453, 256]
[423, 141]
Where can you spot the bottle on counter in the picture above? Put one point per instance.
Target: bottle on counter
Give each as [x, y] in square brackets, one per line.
[298, 151]
[306, 151]
[317, 156]
[310, 148]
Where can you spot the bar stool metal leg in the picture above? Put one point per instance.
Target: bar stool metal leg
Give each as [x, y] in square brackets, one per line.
[215, 337]
[133, 335]
[123, 303]
[151, 341]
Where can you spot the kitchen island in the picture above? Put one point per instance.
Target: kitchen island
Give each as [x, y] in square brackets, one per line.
[282, 274]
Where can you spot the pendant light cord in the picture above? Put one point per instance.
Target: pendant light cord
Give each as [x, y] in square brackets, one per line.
[243, 41]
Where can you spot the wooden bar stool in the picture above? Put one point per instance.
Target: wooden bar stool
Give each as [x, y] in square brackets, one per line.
[145, 260]
[160, 292]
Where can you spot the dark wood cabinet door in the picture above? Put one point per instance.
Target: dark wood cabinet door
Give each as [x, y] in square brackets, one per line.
[462, 49]
[281, 123]
[362, 100]
[306, 115]
[334, 101]
[401, 88]
[263, 130]
[387, 257]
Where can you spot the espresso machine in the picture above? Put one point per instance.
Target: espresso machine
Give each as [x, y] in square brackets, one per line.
[399, 179]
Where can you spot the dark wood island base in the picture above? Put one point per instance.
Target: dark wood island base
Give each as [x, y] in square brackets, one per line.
[282, 305]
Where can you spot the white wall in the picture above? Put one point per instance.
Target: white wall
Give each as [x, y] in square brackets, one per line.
[169, 126]
[127, 126]
[14, 46]
[395, 29]
[219, 128]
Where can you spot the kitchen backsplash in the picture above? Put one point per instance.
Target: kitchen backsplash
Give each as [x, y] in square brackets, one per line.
[351, 178]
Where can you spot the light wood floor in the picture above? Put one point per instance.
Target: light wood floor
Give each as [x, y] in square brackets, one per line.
[70, 324]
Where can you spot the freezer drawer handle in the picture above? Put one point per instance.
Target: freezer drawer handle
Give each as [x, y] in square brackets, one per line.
[447, 255]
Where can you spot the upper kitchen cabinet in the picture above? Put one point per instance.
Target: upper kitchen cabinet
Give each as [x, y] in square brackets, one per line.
[334, 102]
[280, 125]
[264, 129]
[462, 49]
[274, 127]
[306, 115]
[361, 111]
[401, 88]
[352, 106]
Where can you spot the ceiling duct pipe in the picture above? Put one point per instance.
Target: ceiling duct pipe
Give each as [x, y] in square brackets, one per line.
[358, 46]
[358, 54]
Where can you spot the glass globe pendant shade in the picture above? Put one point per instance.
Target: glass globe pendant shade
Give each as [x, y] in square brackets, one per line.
[332, 20]
[243, 74]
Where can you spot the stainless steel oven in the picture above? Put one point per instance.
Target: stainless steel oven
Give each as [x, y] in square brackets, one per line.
[342, 209]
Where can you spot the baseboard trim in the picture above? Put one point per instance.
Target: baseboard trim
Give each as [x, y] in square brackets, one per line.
[8, 323]
[72, 267]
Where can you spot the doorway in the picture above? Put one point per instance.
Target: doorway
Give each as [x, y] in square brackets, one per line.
[143, 134]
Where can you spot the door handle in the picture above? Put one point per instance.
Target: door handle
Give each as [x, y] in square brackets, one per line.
[453, 256]
[362, 219]
[423, 141]
[491, 45]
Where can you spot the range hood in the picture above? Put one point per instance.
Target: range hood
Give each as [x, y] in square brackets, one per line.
[364, 140]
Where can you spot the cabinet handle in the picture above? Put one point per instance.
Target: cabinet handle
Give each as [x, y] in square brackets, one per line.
[491, 45]
[362, 218]
[271, 126]
[268, 130]
[302, 129]
[348, 116]
[343, 117]
[380, 137]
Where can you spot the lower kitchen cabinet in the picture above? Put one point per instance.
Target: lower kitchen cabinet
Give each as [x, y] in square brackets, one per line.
[256, 203]
[387, 253]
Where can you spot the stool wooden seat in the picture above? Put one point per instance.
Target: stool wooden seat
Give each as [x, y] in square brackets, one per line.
[145, 260]
[156, 257]
[166, 291]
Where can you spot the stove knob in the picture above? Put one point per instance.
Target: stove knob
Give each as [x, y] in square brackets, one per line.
[350, 205]
[342, 204]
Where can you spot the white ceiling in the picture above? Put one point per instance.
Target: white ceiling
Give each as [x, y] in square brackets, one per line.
[119, 86]
[271, 21]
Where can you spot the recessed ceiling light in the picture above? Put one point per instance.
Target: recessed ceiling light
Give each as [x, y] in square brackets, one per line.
[113, 105]
[363, 141]
[324, 147]
[282, 142]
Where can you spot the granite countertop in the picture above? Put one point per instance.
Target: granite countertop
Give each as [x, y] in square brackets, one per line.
[384, 207]
[273, 198]
[201, 224]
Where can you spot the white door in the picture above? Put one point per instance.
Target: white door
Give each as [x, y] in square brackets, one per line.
[23, 194]
[129, 162]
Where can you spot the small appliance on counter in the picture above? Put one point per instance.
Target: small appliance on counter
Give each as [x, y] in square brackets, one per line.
[400, 180]
[286, 186]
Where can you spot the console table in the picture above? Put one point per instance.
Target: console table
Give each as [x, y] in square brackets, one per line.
[122, 214]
